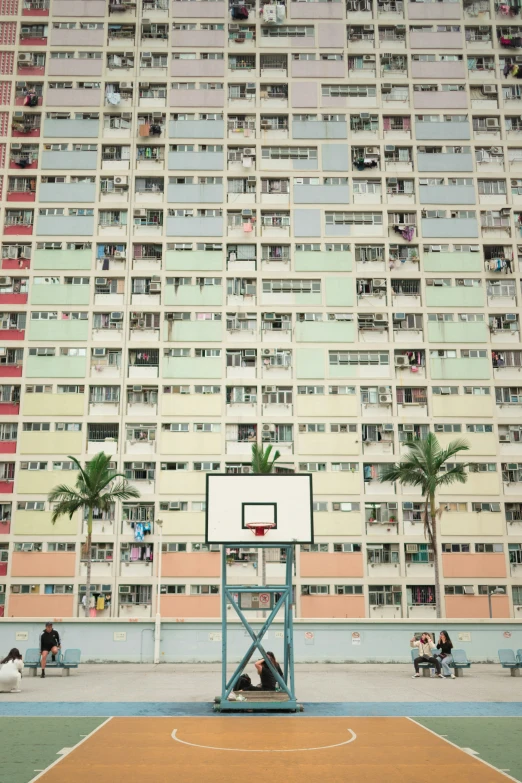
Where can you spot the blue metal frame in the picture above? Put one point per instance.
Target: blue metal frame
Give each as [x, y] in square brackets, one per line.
[285, 601]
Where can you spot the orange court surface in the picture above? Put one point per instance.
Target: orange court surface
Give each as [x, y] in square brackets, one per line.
[278, 749]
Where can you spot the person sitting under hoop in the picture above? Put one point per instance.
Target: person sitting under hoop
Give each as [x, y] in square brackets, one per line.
[268, 681]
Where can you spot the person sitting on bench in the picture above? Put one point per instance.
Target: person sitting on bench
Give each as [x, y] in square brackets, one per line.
[425, 646]
[268, 681]
[49, 643]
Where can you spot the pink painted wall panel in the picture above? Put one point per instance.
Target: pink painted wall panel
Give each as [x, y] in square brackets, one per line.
[48, 607]
[476, 606]
[79, 8]
[75, 67]
[199, 10]
[425, 11]
[317, 606]
[422, 70]
[37, 564]
[7, 447]
[74, 97]
[489, 565]
[198, 38]
[197, 68]
[204, 564]
[440, 100]
[336, 564]
[190, 605]
[331, 35]
[316, 11]
[304, 95]
[318, 69]
[421, 40]
[77, 37]
[202, 98]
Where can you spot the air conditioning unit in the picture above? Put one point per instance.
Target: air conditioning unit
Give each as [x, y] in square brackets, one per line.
[116, 316]
[146, 55]
[137, 388]
[155, 288]
[269, 428]
[18, 115]
[503, 437]
[100, 281]
[408, 428]
[371, 150]
[412, 548]
[399, 317]
[468, 590]
[392, 506]
[145, 84]
[407, 506]
[491, 122]
[510, 317]
[489, 89]
[387, 427]
[385, 399]
[247, 151]
[121, 182]
[380, 318]
[124, 589]
[15, 147]
[140, 213]
[214, 547]
[251, 179]
[269, 389]
[5, 280]
[246, 212]
[367, 57]
[389, 147]
[401, 361]
[99, 351]
[392, 181]
[125, 85]
[365, 115]
[25, 57]
[384, 389]
[379, 282]
[268, 352]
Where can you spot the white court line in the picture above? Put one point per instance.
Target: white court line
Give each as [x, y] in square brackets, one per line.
[269, 750]
[86, 737]
[477, 758]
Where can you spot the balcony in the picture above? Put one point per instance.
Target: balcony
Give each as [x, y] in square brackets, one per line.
[77, 36]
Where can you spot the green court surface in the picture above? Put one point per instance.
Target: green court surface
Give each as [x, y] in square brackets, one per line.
[496, 740]
[29, 745]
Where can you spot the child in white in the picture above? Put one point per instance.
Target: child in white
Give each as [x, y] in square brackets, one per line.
[11, 672]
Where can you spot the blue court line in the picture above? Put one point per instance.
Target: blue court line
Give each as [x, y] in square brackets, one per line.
[311, 709]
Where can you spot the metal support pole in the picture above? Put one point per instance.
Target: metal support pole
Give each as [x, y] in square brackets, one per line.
[157, 623]
[223, 622]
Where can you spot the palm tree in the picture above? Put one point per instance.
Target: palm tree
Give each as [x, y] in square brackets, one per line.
[96, 488]
[423, 467]
[261, 459]
[261, 463]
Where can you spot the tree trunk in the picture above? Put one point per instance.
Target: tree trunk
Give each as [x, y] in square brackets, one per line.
[88, 564]
[435, 545]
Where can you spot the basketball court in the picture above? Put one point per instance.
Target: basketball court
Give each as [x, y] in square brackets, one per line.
[281, 749]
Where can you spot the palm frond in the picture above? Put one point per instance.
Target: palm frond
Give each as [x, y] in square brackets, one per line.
[261, 459]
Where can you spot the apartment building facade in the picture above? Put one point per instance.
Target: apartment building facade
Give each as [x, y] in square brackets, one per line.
[289, 223]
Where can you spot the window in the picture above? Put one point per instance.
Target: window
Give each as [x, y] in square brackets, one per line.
[314, 547]
[348, 589]
[459, 589]
[489, 548]
[458, 548]
[315, 589]
[61, 547]
[347, 548]
[172, 589]
[204, 589]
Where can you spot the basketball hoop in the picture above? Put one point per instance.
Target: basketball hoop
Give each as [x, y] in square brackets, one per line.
[259, 529]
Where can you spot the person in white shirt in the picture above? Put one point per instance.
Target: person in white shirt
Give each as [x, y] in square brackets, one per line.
[425, 645]
[11, 672]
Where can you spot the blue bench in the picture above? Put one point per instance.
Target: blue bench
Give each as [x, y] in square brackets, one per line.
[508, 660]
[460, 662]
[64, 661]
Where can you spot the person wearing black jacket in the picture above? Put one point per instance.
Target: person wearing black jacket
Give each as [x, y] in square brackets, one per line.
[49, 643]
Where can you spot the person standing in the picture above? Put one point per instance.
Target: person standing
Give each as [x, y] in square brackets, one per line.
[49, 643]
[425, 646]
[445, 646]
[11, 672]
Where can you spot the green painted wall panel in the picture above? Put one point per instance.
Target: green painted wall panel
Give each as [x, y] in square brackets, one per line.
[56, 367]
[192, 367]
[458, 368]
[339, 292]
[452, 262]
[194, 295]
[325, 332]
[310, 362]
[193, 331]
[60, 294]
[458, 332]
[454, 296]
[59, 330]
[62, 259]
[323, 261]
[193, 260]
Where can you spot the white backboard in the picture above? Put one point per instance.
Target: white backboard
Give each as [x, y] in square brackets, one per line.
[285, 500]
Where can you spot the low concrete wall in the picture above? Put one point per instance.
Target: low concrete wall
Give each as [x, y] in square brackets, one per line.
[200, 642]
